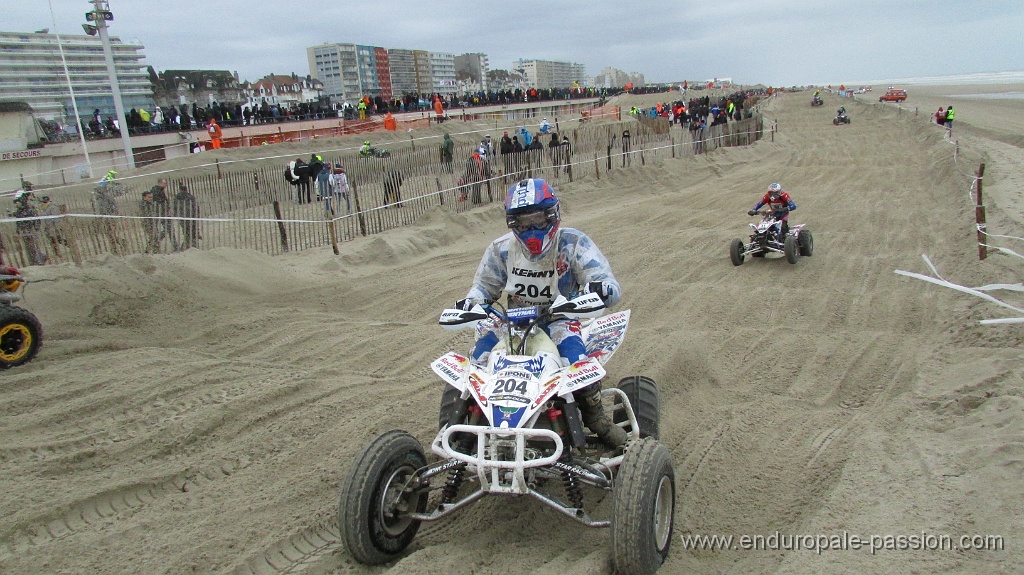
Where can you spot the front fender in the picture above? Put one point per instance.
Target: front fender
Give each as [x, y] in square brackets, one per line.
[453, 369]
[580, 375]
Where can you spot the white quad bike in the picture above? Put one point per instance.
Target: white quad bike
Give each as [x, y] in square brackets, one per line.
[765, 240]
[512, 428]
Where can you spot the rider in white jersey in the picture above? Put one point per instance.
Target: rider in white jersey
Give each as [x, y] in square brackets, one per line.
[534, 263]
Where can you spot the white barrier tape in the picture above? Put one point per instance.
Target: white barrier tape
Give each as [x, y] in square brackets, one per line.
[169, 218]
[972, 291]
[1007, 237]
[1003, 320]
[1004, 250]
[997, 287]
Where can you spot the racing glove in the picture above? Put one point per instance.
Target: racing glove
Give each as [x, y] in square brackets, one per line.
[465, 304]
[752, 213]
[602, 289]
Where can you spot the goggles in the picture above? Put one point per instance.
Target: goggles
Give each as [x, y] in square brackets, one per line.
[529, 221]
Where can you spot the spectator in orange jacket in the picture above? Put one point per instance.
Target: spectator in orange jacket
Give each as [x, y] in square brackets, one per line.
[390, 123]
[215, 134]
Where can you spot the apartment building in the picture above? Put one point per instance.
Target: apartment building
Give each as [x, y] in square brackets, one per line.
[547, 74]
[350, 71]
[32, 72]
[474, 68]
[410, 71]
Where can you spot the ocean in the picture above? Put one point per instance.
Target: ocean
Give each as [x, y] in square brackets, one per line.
[954, 79]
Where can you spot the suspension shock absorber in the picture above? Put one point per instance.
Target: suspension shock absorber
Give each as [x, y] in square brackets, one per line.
[451, 486]
[573, 489]
[463, 443]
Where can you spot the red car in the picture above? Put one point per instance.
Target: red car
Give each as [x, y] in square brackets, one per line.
[893, 95]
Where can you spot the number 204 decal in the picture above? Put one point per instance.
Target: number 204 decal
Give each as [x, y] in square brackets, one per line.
[511, 385]
[532, 291]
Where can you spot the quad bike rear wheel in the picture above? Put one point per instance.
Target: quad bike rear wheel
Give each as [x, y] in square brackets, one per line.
[736, 252]
[21, 335]
[646, 402]
[806, 242]
[643, 508]
[373, 514]
[791, 249]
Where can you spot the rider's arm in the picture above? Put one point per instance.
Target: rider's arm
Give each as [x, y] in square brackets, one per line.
[491, 274]
[588, 264]
[792, 205]
[764, 200]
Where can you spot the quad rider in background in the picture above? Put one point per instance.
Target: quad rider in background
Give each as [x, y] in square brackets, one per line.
[780, 204]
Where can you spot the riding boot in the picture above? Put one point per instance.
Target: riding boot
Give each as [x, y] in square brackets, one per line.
[596, 418]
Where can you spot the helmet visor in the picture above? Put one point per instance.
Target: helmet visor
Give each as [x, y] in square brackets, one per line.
[530, 221]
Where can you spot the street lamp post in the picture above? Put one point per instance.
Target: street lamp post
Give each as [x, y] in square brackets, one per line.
[99, 17]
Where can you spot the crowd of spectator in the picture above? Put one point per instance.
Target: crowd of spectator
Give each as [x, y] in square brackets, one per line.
[186, 117]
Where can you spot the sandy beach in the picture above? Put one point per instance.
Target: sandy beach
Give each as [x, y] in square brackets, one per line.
[196, 412]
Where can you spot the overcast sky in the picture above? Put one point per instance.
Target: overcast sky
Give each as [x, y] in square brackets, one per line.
[772, 42]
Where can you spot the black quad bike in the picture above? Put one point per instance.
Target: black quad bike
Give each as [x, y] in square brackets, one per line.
[21, 334]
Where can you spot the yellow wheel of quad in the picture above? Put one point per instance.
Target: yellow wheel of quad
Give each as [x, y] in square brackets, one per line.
[20, 336]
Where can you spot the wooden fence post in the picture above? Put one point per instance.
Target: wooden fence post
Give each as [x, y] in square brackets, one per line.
[359, 210]
[70, 242]
[217, 161]
[979, 216]
[280, 225]
[597, 167]
[334, 235]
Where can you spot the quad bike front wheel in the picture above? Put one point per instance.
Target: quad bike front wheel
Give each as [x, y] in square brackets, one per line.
[450, 399]
[646, 402]
[736, 252]
[791, 249]
[806, 243]
[643, 508]
[373, 515]
[21, 335]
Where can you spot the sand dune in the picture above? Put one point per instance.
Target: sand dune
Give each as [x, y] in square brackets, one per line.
[195, 413]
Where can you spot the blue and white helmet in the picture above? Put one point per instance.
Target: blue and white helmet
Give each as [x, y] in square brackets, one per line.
[531, 212]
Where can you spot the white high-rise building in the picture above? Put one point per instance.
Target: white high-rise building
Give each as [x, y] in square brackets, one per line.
[350, 71]
[442, 72]
[547, 74]
[31, 71]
